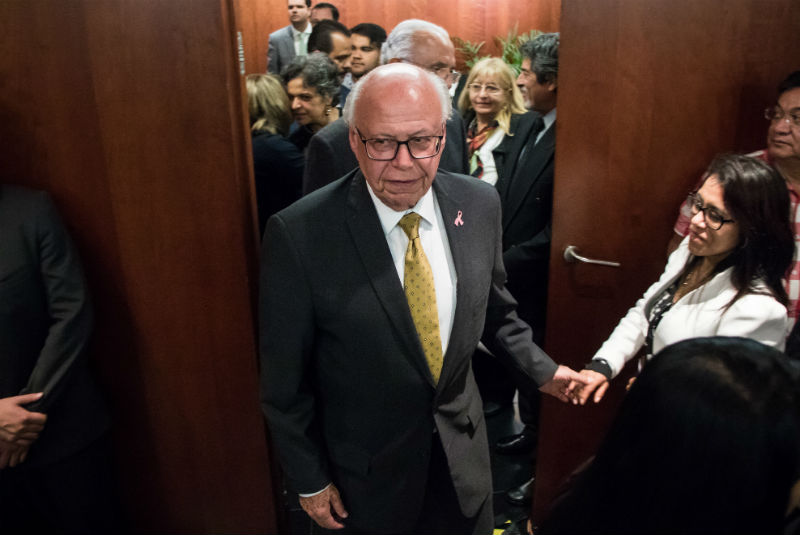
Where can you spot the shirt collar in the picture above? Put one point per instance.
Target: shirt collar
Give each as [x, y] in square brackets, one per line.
[389, 218]
[549, 118]
[307, 31]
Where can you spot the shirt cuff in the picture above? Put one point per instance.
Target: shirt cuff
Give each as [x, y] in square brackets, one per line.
[600, 366]
[315, 493]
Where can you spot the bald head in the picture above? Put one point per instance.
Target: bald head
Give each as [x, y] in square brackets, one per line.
[422, 43]
[404, 74]
[397, 116]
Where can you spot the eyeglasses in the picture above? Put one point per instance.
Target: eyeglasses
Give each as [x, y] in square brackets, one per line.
[713, 217]
[490, 89]
[385, 149]
[776, 113]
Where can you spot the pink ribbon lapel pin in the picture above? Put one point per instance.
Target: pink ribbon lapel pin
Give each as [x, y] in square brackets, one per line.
[458, 222]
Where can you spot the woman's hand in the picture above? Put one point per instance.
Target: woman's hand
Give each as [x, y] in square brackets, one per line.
[595, 382]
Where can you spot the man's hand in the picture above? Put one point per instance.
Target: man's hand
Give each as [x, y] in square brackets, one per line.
[18, 425]
[595, 382]
[326, 508]
[563, 383]
[11, 454]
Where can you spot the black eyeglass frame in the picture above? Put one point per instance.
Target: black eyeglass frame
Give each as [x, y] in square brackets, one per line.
[695, 209]
[397, 148]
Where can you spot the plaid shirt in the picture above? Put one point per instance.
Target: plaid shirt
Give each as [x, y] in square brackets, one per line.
[681, 228]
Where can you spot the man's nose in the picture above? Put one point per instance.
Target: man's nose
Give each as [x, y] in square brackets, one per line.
[403, 159]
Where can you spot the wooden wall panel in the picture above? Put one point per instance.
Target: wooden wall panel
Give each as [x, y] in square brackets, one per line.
[472, 20]
[649, 93]
[130, 113]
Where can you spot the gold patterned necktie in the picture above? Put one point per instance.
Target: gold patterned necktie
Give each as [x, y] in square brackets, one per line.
[421, 295]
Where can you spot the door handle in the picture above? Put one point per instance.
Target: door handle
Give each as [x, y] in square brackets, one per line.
[571, 256]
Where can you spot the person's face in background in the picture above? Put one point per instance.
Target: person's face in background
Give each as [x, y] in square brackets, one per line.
[308, 106]
[435, 55]
[783, 136]
[538, 96]
[487, 97]
[320, 13]
[705, 241]
[340, 52]
[364, 56]
[298, 13]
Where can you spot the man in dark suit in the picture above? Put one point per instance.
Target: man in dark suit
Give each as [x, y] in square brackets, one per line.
[527, 199]
[54, 450]
[423, 44]
[291, 40]
[375, 291]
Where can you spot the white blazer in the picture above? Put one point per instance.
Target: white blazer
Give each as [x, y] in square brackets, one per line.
[701, 312]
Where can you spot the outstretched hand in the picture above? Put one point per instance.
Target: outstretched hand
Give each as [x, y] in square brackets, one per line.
[325, 508]
[563, 384]
[595, 382]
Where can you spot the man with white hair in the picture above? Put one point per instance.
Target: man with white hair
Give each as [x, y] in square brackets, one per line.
[374, 293]
[420, 43]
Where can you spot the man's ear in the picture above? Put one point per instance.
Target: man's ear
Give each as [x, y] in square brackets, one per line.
[355, 140]
[552, 85]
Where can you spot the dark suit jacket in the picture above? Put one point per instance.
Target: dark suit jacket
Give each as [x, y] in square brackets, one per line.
[525, 185]
[45, 323]
[281, 49]
[329, 156]
[278, 169]
[345, 386]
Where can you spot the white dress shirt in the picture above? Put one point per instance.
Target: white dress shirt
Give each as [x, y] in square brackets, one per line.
[437, 250]
[301, 39]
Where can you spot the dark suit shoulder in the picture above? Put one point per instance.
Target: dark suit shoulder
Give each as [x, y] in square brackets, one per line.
[22, 202]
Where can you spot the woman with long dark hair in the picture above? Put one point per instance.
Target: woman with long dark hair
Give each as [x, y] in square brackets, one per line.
[726, 277]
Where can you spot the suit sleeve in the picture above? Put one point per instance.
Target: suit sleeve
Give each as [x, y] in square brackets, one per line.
[68, 307]
[629, 335]
[321, 165]
[505, 334]
[756, 316]
[273, 63]
[286, 326]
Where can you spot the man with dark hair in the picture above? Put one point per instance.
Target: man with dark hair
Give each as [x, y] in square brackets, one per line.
[333, 39]
[783, 153]
[366, 40]
[291, 40]
[527, 199]
[420, 43]
[324, 11]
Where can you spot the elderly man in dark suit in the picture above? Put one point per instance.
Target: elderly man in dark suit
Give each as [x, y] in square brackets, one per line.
[418, 42]
[375, 291]
[54, 450]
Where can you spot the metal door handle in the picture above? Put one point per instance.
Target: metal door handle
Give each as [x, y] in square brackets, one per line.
[571, 256]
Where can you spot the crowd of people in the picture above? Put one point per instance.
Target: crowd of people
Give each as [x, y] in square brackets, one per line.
[388, 327]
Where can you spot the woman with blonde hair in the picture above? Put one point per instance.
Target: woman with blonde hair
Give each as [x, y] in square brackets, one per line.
[277, 163]
[492, 107]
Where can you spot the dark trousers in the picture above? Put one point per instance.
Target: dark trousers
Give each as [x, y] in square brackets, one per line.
[441, 514]
[73, 495]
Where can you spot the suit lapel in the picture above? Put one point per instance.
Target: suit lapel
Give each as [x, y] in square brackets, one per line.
[531, 166]
[452, 207]
[506, 164]
[367, 233]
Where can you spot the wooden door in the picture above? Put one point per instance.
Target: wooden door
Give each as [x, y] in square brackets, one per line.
[131, 115]
[649, 92]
